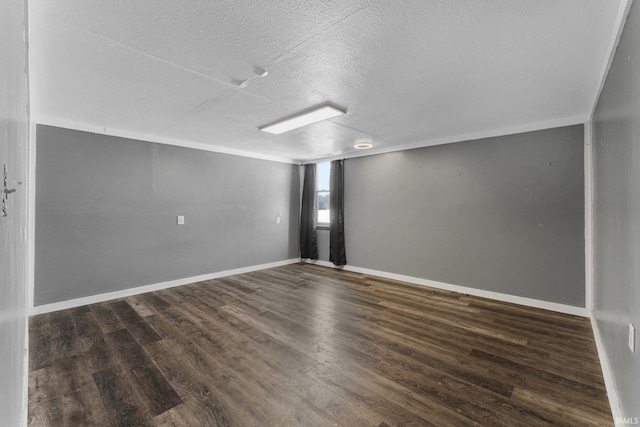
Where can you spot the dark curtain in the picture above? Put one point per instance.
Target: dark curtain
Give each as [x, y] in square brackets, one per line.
[308, 239]
[337, 253]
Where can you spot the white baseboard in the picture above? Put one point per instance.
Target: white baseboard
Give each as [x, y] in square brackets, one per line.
[546, 305]
[25, 375]
[609, 381]
[63, 305]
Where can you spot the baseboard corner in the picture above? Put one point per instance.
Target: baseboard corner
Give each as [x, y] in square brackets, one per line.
[607, 374]
[93, 299]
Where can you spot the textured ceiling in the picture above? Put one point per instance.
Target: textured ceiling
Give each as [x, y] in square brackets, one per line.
[409, 73]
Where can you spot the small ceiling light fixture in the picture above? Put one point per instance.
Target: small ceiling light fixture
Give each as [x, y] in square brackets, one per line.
[257, 73]
[314, 115]
[260, 72]
[363, 145]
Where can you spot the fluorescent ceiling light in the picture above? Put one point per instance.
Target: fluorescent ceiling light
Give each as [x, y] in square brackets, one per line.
[314, 115]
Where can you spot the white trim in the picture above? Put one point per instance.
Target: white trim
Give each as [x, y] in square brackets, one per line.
[29, 267]
[530, 302]
[609, 379]
[30, 220]
[588, 217]
[30, 261]
[31, 213]
[121, 133]
[63, 305]
[618, 27]
[325, 264]
[25, 370]
[487, 133]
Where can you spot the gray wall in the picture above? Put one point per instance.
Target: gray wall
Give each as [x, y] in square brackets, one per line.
[14, 125]
[106, 212]
[500, 214]
[616, 175]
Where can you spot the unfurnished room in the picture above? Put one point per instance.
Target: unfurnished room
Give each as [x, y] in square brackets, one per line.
[320, 213]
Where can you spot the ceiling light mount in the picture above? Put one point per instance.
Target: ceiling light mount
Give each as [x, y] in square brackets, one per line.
[303, 118]
[257, 73]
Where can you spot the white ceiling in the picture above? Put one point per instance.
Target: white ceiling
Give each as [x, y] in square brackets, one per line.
[409, 73]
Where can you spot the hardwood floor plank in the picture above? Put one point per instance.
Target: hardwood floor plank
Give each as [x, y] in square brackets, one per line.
[305, 345]
[212, 343]
[141, 306]
[470, 325]
[42, 385]
[423, 406]
[345, 411]
[415, 373]
[106, 318]
[200, 373]
[583, 389]
[64, 337]
[143, 333]
[84, 408]
[438, 358]
[277, 357]
[158, 394]
[359, 389]
[190, 375]
[72, 373]
[124, 312]
[225, 295]
[153, 300]
[100, 356]
[194, 297]
[461, 340]
[561, 412]
[194, 411]
[234, 283]
[537, 315]
[87, 328]
[40, 354]
[290, 404]
[122, 406]
[46, 413]
[485, 409]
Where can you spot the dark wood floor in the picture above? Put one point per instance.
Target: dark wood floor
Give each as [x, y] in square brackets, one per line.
[303, 345]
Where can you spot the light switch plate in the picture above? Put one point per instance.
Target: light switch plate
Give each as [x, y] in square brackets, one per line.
[632, 338]
[180, 219]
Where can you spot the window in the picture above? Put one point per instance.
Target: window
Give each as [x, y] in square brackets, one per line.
[323, 171]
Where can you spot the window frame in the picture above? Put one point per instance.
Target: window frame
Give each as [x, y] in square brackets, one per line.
[322, 225]
[318, 223]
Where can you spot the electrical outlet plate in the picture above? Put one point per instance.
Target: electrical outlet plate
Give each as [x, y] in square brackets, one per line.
[632, 337]
[180, 219]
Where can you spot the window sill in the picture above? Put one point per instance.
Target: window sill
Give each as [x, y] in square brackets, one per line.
[322, 226]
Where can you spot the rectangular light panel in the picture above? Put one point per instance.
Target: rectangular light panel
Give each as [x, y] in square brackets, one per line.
[313, 116]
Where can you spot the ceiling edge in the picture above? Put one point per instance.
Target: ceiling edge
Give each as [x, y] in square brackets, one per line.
[85, 127]
[489, 133]
[621, 18]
